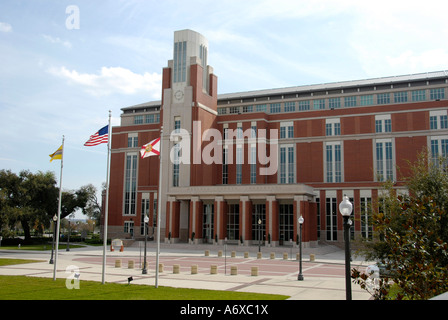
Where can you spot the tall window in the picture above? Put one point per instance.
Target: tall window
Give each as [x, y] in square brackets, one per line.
[331, 219]
[332, 127]
[286, 164]
[180, 61]
[176, 162]
[439, 148]
[233, 221]
[383, 123]
[366, 218]
[384, 162]
[239, 164]
[132, 140]
[286, 222]
[286, 130]
[208, 222]
[333, 162]
[253, 164]
[258, 230]
[438, 119]
[130, 184]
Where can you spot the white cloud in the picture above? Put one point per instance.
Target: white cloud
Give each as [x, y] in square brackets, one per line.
[57, 40]
[5, 27]
[113, 80]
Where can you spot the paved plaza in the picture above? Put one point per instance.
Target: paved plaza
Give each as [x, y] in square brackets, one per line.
[324, 278]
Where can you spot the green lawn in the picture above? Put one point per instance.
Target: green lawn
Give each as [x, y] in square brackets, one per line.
[32, 288]
[39, 247]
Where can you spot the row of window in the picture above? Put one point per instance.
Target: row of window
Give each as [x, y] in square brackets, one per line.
[338, 102]
[148, 118]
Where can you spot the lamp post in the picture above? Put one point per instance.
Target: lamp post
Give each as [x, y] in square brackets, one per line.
[346, 207]
[144, 271]
[55, 218]
[259, 235]
[68, 237]
[300, 276]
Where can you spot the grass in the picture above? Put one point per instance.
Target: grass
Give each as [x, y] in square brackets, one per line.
[33, 288]
[39, 247]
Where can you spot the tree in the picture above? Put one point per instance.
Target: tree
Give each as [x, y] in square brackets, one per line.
[411, 234]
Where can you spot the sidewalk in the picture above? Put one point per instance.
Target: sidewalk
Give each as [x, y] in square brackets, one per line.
[324, 278]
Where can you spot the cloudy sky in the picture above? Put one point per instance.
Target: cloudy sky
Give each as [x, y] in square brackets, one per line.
[65, 64]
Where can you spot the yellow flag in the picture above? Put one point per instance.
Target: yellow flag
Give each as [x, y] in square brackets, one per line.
[57, 154]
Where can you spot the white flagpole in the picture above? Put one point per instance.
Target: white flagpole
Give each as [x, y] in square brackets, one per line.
[159, 210]
[58, 222]
[106, 211]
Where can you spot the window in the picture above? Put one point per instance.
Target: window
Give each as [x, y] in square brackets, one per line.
[275, 107]
[334, 103]
[177, 124]
[331, 214]
[366, 100]
[319, 104]
[176, 162]
[132, 140]
[383, 123]
[286, 222]
[138, 119]
[258, 230]
[332, 127]
[383, 98]
[180, 61]
[225, 169]
[233, 221]
[239, 164]
[290, 106]
[350, 101]
[384, 162]
[439, 150]
[366, 218]
[248, 109]
[286, 130]
[129, 227]
[222, 110]
[333, 162]
[253, 164]
[130, 184]
[234, 110]
[438, 119]
[304, 105]
[152, 118]
[208, 222]
[437, 94]
[260, 108]
[400, 96]
[418, 95]
[286, 164]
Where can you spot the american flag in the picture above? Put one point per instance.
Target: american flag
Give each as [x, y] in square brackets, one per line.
[99, 137]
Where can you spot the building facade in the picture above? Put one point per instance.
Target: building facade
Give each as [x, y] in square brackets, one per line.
[245, 166]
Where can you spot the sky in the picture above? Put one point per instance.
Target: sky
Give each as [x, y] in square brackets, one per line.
[65, 64]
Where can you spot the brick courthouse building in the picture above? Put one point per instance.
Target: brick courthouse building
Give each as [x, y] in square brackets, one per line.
[244, 166]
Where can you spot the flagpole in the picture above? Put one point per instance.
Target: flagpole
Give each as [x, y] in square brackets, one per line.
[106, 212]
[159, 210]
[58, 222]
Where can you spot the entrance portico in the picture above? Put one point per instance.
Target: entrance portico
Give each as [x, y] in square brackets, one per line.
[241, 214]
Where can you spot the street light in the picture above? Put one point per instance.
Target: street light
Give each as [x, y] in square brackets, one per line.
[144, 271]
[259, 235]
[300, 276]
[346, 207]
[55, 218]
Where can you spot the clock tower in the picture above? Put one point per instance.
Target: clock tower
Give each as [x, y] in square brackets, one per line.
[189, 96]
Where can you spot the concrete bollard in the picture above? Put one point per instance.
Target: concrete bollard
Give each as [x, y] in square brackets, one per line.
[233, 270]
[233, 255]
[246, 254]
[160, 267]
[259, 255]
[254, 271]
[285, 255]
[194, 269]
[213, 269]
[272, 255]
[207, 253]
[176, 268]
[312, 257]
[297, 256]
[118, 263]
[131, 264]
[219, 253]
